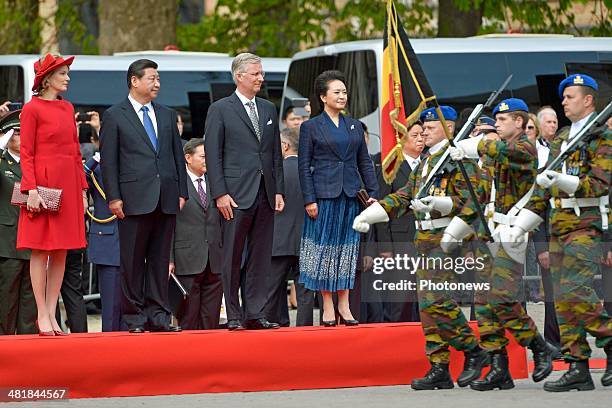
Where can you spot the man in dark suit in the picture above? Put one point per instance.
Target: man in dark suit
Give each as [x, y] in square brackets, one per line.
[196, 254]
[143, 170]
[245, 171]
[286, 243]
[17, 305]
[397, 236]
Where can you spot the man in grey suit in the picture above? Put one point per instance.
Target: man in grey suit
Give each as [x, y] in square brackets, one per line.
[143, 170]
[245, 171]
[196, 254]
[286, 243]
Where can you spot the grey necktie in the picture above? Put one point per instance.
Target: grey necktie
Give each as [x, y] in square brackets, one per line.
[254, 118]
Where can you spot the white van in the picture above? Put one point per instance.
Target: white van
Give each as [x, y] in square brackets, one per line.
[190, 81]
[462, 72]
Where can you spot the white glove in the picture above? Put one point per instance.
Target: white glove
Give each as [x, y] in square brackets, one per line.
[526, 221]
[456, 153]
[564, 182]
[427, 204]
[454, 233]
[4, 139]
[375, 213]
[96, 157]
[466, 148]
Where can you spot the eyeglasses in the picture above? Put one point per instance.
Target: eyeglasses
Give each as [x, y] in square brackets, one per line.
[255, 74]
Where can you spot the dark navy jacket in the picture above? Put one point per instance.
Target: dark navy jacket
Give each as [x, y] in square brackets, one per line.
[324, 171]
[103, 238]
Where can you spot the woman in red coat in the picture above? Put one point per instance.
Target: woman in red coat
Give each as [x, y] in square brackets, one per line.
[50, 157]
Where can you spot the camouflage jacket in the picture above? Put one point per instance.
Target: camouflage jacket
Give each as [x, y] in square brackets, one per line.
[593, 164]
[447, 184]
[511, 166]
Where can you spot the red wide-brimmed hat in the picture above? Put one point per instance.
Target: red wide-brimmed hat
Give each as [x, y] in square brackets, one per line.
[48, 65]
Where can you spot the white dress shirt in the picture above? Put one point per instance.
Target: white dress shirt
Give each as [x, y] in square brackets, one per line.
[577, 126]
[194, 180]
[412, 161]
[137, 106]
[246, 100]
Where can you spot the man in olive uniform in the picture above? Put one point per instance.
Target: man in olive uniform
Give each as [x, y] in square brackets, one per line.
[443, 322]
[511, 166]
[577, 196]
[17, 305]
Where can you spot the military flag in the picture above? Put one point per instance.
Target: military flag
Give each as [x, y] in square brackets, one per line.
[405, 92]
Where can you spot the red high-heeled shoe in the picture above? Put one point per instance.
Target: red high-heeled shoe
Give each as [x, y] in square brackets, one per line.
[44, 333]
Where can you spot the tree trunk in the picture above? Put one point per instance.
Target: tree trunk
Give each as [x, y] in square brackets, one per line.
[453, 22]
[127, 25]
[48, 32]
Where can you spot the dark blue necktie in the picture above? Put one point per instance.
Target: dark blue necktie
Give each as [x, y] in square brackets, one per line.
[148, 125]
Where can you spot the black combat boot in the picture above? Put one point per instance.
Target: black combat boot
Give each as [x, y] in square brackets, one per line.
[606, 380]
[577, 377]
[498, 376]
[438, 377]
[542, 358]
[474, 361]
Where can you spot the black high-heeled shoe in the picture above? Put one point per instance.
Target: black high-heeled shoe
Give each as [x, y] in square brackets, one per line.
[330, 323]
[349, 322]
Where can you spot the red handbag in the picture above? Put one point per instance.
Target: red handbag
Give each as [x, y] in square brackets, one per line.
[52, 197]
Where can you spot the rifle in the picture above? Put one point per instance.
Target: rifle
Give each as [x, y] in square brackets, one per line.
[444, 163]
[582, 138]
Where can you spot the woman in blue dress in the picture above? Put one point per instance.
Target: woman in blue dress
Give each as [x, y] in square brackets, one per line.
[334, 164]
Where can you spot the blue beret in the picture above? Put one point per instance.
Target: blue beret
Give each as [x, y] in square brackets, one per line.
[510, 105]
[577, 80]
[430, 114]
[485, 120]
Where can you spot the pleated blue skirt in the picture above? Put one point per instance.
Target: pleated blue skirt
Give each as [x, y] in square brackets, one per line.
[330, 246]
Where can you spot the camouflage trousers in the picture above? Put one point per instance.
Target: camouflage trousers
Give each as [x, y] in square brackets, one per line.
[499, 308]
[443, 322]
[574, 261]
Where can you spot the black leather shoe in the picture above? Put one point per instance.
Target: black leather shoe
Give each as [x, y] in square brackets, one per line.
[137, 330]
[330, 323]
[233, 325]
[542, 358]
[577, 377]
[474, 361]
[606, 379]
[497, 377]
[438, 377]
[260, 324]
[169, 329]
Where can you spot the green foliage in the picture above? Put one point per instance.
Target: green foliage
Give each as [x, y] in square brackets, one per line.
[19, 27]
[69, 25]
[266, 27]
[541, 16]
[365, 19]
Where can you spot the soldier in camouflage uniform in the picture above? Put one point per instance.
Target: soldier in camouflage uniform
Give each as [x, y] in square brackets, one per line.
[509, 166]
[442, 320]
[578, 200]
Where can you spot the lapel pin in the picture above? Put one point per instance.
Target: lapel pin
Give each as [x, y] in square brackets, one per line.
[269, 122]
[352, 127]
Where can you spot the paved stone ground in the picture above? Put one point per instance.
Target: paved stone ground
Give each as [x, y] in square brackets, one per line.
[525, 395]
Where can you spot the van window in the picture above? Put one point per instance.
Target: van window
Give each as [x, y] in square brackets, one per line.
[359, 67]
[189, 93]
[11, 83]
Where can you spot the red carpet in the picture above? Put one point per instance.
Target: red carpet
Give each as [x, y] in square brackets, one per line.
[122, 364]
[594, 363]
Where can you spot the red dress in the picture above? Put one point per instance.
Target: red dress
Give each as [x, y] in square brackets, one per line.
[50, 157]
